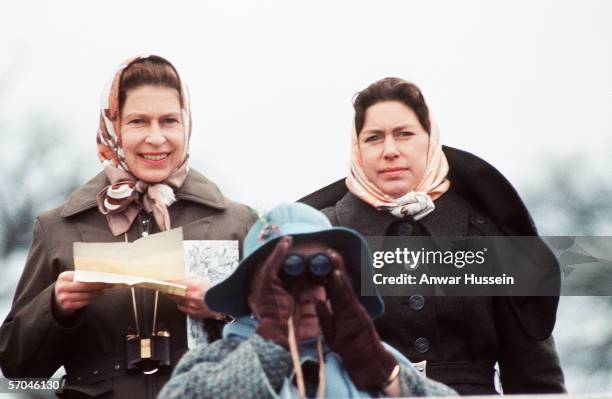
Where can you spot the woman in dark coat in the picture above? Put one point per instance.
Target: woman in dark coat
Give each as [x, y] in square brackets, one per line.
[146, 187]
[402, 182]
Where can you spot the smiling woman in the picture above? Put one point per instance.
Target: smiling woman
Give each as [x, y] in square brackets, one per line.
[99, 335]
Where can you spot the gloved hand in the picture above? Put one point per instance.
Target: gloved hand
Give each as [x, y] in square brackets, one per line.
[350, 332]
[273, 304]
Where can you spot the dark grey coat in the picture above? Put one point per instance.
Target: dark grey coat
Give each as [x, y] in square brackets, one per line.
[462, 338]
[91, 346]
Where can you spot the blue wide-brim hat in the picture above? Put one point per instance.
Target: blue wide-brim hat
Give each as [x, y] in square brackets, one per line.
[298, 220]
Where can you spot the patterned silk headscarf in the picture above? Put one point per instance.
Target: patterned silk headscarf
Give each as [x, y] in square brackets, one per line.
[126, 196]
[420, 201]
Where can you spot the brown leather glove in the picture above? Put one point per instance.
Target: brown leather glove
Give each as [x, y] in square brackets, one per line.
[273, 305]
[350, 332]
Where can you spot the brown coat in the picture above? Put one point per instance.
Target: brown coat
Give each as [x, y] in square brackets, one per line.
[34, 343]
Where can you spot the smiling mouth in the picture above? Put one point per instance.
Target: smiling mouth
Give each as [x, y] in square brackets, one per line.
[154, 157]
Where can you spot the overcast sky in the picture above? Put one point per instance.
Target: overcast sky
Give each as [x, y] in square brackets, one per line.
[516, 82]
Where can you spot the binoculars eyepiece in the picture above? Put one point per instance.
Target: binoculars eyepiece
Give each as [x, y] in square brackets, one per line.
[316, 266]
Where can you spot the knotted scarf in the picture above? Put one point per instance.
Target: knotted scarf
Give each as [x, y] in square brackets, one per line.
[417, 203]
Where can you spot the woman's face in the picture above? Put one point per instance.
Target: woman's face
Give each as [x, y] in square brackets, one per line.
[152, 132]
[308, 320]
[305, 297]
[393, 147]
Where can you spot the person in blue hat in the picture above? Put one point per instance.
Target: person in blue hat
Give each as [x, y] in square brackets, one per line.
[302, 327]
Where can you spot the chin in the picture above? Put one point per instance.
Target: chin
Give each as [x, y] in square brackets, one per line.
[152, 177]
[397, 192]
[307, 336]
[395, 188]
[306, 332]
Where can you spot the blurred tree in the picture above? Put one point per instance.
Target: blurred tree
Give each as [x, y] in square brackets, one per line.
[574, 198]
[38, 173]
[41, 174]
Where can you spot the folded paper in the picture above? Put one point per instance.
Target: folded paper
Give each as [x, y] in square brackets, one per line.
[149, 262]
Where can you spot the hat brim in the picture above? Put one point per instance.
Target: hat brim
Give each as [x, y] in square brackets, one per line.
[230, 296]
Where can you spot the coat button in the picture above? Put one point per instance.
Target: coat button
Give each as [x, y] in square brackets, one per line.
[421, 345]
[117, 366]
[417, 302]
[95, 372]
[480, 220]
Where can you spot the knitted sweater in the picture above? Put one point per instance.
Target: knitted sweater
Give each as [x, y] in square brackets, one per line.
[245, 365]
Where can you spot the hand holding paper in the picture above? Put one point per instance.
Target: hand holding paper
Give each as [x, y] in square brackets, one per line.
[149, 262]
[193, 301]
[71, 296]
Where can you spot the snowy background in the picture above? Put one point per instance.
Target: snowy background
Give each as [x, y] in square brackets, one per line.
[524, 84]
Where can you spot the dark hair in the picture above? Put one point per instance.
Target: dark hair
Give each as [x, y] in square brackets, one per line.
[153, 70]
[391, 89]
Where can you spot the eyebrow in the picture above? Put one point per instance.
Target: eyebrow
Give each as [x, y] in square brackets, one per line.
[132, 115]
[395, 129]
[404, 127]
[174, 114]
[373, 130]
[144, 114]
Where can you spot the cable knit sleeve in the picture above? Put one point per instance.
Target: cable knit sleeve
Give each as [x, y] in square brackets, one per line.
[230, 368]
[412, 383]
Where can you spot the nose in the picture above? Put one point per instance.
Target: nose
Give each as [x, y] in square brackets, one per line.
[306, 295]
[312, 294]
[155, 135]
[390, 150]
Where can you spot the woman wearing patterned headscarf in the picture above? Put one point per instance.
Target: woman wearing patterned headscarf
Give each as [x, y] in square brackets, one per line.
[403, 182]
[146, 187]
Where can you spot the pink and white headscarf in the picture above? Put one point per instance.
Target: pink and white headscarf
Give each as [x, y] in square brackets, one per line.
[126, 196]
[420, 201]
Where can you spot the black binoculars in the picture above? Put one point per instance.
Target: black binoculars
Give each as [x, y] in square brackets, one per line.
[148, 355]
[314, 267]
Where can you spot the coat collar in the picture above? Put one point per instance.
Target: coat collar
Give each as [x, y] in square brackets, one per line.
[450, 218]
[196, 188]
[358, 215]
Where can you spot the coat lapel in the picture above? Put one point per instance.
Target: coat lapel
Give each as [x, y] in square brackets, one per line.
[200, 190]
[84, 197]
